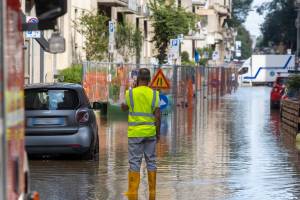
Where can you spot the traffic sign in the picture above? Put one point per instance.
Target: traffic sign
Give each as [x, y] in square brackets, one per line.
[238, 48]
[215, 55]
[180, 37]
[159, 81]
[111, 37]
[32, 34]
[174, 49]
[163, 102]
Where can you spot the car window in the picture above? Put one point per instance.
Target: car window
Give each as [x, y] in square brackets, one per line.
[52, 99]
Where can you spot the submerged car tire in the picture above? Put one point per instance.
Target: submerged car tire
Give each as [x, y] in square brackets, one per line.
[93, 152]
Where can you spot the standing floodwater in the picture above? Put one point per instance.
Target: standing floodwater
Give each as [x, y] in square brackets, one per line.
[227, 148]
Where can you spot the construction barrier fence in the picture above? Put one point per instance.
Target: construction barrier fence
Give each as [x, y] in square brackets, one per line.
[107, 82]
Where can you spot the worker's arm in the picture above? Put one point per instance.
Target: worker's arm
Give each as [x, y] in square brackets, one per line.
[124, 107]
[157, 122]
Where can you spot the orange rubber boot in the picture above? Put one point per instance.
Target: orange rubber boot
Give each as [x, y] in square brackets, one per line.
[133, 185]
[152, 184]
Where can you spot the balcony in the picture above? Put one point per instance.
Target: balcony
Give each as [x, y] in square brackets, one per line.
[202, 3]
[221, 9]
[143, 11]
[132, 7]
[114, 3]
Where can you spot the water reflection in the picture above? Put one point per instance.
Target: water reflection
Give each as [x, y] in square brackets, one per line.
[215, 148]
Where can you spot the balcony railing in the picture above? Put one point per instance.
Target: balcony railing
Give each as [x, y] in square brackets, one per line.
[115, 3]
[143, 10]
[221, 9]
[200, 2]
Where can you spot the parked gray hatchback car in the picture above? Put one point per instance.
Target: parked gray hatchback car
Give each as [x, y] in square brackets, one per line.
[60, 120]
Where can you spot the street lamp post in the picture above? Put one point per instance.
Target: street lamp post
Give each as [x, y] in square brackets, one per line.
[297, 23]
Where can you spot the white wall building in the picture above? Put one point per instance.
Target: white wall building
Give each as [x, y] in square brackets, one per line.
[41, 66]
[212, 30]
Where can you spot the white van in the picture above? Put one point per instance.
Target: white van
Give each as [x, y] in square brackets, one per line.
[263, 69]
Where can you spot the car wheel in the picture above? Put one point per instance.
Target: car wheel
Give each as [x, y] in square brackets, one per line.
[93, 152]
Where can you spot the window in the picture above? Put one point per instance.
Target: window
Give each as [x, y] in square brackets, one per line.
[137, 23]
[52, 99]
[243, 70]
[179, 3]
[120, 18]
[146, 29]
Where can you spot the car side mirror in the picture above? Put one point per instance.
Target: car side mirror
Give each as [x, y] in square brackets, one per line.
[50, 9]
[96, 106]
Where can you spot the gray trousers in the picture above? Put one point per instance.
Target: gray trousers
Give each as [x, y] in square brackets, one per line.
[139, 147]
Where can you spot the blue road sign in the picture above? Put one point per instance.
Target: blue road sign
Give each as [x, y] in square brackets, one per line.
[174, 43]
[197, 56]
[32, 34]
[163, 102]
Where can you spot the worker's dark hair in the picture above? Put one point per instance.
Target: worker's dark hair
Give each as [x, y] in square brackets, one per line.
[144, 75]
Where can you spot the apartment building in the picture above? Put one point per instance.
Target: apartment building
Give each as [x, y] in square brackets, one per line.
[135, 12]
[212, 29]
[41, 66]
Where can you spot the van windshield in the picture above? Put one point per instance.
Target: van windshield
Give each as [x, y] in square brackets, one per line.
[51, 99]
[243, 70]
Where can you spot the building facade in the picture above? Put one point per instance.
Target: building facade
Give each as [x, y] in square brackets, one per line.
[212, 31]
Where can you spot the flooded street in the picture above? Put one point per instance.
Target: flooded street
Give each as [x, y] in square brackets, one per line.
[230, 148]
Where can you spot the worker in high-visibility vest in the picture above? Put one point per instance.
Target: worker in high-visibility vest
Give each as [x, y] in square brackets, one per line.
[142, 102]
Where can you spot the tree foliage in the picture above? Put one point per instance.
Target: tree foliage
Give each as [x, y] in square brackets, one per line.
[128, 40]
[168, 22]
[93, 26]
[240, 10]
[208, 51]
[72, 74]
[244, 36]
[279, 26]
[294, 82]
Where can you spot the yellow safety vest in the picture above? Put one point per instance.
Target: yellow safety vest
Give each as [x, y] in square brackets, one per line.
[142, 102]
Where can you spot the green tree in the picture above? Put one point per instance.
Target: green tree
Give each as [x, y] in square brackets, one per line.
[128, 40]
[240, 10]
[168, 22]
[93, 26]
[208, 51]
[279, 25]
[71, 74]
[185, 56]
[185, 60]
[138, 42]
[244, 37]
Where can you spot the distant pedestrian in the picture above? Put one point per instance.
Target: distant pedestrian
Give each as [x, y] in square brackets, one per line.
[234, 81]
[142, 103]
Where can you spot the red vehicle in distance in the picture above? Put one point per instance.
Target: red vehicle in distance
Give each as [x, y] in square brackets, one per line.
[278, 90]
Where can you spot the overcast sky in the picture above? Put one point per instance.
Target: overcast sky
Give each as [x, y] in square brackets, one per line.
[254, 19]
